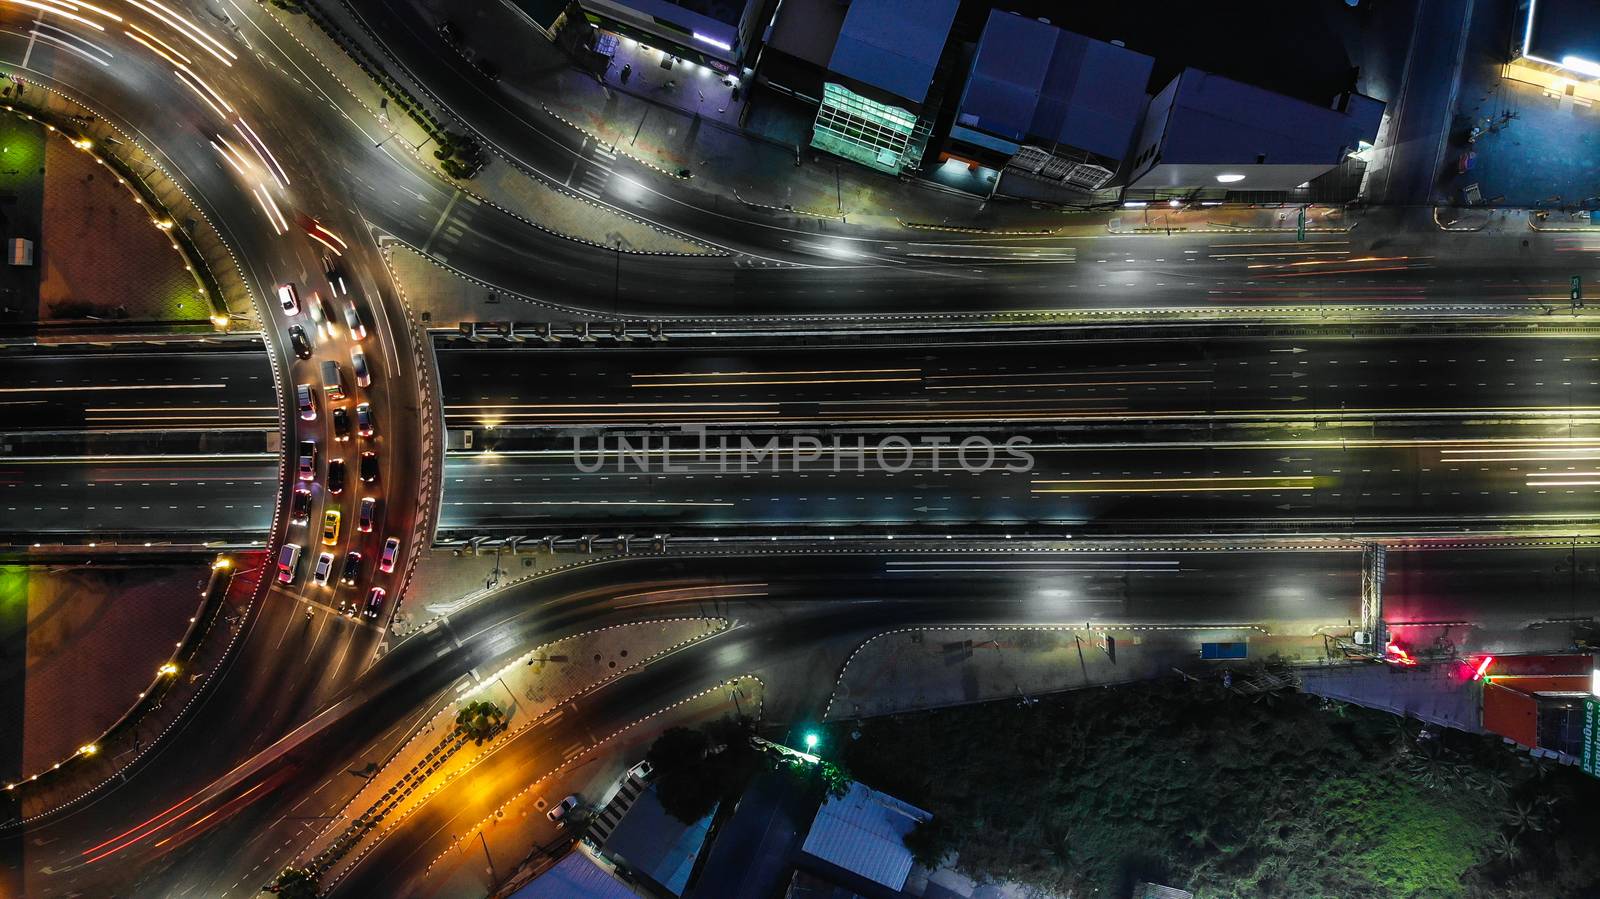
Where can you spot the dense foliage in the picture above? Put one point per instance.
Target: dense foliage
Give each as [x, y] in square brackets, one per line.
[1182, 783]
[695, 769]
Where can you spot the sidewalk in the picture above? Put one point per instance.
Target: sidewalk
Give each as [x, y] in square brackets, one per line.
[443, 582]
[934, 667]
[527, 689]
[1537, 143]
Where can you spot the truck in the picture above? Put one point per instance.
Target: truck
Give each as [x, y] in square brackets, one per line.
[332, 380]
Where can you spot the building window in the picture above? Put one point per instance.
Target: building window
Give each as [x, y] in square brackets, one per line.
[872, 133]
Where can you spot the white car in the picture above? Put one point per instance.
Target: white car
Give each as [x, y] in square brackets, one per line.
[290, 298]
[324, 569]
[352, 320]
[563, 809]
[391, 551]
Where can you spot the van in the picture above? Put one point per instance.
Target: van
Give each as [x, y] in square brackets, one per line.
[332, 380]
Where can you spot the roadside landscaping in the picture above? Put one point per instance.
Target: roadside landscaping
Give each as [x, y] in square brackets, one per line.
[1188, 785]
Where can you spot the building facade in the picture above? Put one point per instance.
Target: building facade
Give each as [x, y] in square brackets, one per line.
[1049, 104]
[719, 34]
[1205, 135]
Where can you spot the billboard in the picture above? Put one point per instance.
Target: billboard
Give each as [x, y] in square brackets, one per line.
[1591, 737]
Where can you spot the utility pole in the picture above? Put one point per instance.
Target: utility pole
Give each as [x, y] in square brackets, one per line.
[493, 877]
[616, 280]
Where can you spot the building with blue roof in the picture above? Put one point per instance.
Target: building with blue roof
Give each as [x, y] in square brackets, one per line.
[1204, 135]
[1049, 103]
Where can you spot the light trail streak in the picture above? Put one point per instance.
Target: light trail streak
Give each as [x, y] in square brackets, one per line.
[43, 7]
[208, 88]
[188, 29]
[149, 38]
[1280, 253]
[193, 85]
[76, 5]
[228, 158]
[1334, 261]
[271, 208]
[1177, 485]
[260, 147]
[55, 41]
[319, 239]
[1059, 384]
[99, 387]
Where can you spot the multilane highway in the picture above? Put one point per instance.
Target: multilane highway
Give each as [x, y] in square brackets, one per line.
[1372, 435]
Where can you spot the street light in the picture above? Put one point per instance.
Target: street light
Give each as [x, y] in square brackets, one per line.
[811, 739]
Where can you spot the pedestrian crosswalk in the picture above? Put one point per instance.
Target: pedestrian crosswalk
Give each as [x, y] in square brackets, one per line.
[601, 826]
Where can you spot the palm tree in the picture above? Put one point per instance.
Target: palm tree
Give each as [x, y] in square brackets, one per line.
[479, 721]
[295, 883]
[1505, 849]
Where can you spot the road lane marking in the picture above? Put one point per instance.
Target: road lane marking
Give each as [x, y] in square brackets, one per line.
[443, 217]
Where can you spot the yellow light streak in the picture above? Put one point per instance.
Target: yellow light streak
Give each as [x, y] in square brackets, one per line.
[159, 42]
[188, 29]
[43, 7]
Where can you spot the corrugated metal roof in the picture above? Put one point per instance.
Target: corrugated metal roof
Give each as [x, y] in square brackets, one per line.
[1032, 80]
[893, 44]
[576, 876]
[864, 833]
[657, 844]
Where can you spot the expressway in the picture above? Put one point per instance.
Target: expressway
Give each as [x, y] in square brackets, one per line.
[836, 599]
[1133, 435]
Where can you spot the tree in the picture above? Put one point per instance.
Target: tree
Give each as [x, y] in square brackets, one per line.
[479, 721]
[295, 883]
[697, 769]
[931, 841]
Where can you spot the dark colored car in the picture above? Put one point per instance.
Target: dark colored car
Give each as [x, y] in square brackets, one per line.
[300, 508]
[341, 423]
[301, 343]
[369, 513]
[308, 460]
[335, 276]
[369, 466]
[352, 569]
[364, 419]
[335, 475]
